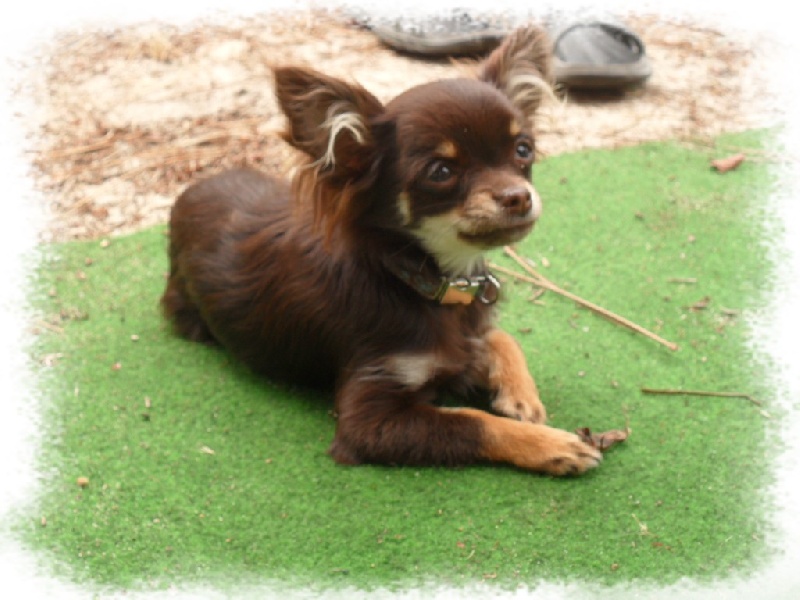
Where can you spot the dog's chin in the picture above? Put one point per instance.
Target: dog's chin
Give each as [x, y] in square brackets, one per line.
[497, 236]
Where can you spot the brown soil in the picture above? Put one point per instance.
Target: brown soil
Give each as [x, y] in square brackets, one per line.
[125, 118]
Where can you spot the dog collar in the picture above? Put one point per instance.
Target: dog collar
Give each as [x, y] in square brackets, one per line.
[464, 290]
[484, 288]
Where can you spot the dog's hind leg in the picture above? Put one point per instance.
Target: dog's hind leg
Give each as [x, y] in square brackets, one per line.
[182, 312]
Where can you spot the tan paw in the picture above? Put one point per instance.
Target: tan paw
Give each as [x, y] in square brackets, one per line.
[523, 407]
[566, 454]
[534, 446]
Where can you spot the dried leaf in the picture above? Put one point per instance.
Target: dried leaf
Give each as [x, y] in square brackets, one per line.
[729, 163]
[701, 304]
[603, 441]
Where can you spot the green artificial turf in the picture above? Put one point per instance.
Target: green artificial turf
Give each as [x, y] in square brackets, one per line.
[199, 471]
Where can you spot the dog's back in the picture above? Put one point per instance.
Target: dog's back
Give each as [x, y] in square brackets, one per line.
[238, 266]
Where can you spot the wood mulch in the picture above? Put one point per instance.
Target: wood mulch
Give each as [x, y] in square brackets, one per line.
[122, 120]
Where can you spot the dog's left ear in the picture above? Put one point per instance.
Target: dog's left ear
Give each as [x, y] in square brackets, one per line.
[520, 68]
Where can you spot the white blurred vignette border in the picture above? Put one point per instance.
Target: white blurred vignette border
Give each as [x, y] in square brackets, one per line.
[776, 327]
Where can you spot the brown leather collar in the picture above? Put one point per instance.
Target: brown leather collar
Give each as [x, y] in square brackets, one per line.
[456, 290]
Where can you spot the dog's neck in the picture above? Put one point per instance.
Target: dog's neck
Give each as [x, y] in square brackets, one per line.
[419, 271]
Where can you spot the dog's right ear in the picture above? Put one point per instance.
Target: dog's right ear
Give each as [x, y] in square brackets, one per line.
[332, 123]
[328, 120]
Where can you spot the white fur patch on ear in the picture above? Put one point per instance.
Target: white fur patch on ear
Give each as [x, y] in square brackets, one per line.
[526, 91]
[520, 68]
[341, 118]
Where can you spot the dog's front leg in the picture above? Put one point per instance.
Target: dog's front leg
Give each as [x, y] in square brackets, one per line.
[517, 396]
[385, 422]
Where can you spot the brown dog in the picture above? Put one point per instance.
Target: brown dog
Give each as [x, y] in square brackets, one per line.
[367, 274]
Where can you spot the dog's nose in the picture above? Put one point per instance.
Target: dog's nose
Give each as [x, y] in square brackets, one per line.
[515, 200]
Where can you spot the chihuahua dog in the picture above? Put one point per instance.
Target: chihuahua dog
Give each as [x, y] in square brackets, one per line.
[366, 273]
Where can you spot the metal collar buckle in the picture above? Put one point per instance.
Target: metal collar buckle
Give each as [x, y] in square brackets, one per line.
[464, 290]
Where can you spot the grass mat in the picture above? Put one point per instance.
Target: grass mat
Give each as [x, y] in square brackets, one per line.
[197, 470]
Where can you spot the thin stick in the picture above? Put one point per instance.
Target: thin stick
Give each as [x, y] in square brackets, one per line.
[538, 279]
[50, 326]
[670, 392]
[105, 142]
[514, 274]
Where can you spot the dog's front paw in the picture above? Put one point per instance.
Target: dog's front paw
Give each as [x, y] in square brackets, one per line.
[523, 407]
[567, 454]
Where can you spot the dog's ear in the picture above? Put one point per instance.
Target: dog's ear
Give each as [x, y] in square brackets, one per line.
[332, 122]
[328, 120]
[520, 68]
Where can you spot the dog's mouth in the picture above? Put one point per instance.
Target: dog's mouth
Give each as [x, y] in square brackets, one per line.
[498, 235]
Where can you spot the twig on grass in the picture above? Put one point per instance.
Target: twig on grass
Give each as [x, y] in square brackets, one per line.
[676, 392]
[49, 326]
[537, 279]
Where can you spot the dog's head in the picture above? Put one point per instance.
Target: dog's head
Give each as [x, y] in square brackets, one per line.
[448, 163]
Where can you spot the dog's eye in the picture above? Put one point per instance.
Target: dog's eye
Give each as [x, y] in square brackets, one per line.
[440, 172]
[524, 150]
